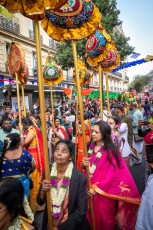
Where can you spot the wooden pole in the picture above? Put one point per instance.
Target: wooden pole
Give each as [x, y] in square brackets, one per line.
[43, 118]
[18, 96]
[101, 92]
[52, 106]
[107, 92]
[82, 127]
[76, 128]
[23, 100]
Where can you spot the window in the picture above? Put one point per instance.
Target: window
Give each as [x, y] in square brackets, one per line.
[34, 64]
[7, 48]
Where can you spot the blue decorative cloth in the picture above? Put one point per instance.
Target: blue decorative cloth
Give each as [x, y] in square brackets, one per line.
[24, 162]
[130, 64]
[96, 44]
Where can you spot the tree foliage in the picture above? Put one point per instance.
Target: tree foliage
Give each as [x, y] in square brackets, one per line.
[139, 82]
[110, 20]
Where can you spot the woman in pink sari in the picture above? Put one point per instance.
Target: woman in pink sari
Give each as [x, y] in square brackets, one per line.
[115, 196]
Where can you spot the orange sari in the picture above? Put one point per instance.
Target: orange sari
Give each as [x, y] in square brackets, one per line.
[36, 149]
[80, 143]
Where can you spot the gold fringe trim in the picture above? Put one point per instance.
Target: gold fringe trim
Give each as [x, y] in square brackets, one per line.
[110, 68]
[109, 45]
[116, 197]
[94, 61]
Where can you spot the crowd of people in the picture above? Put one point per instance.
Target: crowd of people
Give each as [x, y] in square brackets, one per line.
[114, 144]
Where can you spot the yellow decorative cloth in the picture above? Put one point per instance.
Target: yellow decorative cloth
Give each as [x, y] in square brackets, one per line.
[72, 25]
[84, 74]
[33, 9]
[98, 46]
[52, 73]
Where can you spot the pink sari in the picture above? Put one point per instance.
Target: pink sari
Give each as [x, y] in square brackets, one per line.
[116, 184]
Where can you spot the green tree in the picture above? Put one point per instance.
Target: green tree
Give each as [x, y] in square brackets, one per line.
[139, 82]
[110, 20]
[110, 14]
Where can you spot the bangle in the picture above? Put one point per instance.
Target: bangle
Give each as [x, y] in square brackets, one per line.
[21, 135]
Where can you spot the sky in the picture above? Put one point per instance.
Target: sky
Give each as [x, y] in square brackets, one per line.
[137, 18]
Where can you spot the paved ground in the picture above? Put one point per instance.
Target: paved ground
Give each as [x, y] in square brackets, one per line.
[138, 173]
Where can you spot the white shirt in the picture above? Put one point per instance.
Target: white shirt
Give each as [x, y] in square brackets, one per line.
[123, 134]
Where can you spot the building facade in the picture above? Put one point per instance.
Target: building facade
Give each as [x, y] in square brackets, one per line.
[21, 30]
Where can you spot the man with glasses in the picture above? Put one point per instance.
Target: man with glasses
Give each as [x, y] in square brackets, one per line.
[6, 129]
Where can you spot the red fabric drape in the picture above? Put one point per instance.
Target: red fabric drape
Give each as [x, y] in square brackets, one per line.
[68, 92]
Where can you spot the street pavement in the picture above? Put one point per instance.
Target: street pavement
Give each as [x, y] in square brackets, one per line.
[138, 173]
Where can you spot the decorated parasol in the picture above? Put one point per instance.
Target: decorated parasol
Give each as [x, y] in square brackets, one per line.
[103, 56]
[35, 10]
[97, 46]
[16, 65]
[112, 61]
[84, 74]
[52, 74]
[74, 21]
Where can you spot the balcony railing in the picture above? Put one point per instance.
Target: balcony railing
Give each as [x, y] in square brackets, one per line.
[11, 25]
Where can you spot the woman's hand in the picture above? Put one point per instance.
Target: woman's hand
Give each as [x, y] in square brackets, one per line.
[53, 143]
[85, 162]
[46, 186]
[90, 193]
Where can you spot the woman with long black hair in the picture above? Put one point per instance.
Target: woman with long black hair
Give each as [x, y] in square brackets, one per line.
[16, 162]
[110, 180]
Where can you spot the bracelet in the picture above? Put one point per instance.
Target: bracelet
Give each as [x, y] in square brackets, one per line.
[21, 135]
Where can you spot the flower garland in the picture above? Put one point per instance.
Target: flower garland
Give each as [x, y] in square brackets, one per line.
[58, 197]
[27, 209]
[97, 157]
[118, 126]
[18, 220]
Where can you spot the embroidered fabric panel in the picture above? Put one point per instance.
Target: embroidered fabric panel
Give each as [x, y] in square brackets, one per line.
[71, 15]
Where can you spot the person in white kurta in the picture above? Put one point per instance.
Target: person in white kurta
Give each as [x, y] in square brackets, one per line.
[120, 133]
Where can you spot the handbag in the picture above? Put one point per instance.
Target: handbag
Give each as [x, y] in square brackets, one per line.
[134, 157]
[137, 138]
[26, 174]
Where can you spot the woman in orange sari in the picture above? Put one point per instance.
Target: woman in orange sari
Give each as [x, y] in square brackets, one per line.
[80, 140]
[34, 144]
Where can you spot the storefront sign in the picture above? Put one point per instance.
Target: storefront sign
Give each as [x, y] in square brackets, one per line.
[15, 104]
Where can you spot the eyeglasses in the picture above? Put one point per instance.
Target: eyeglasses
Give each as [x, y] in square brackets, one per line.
[3, 210]
[7, 123]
